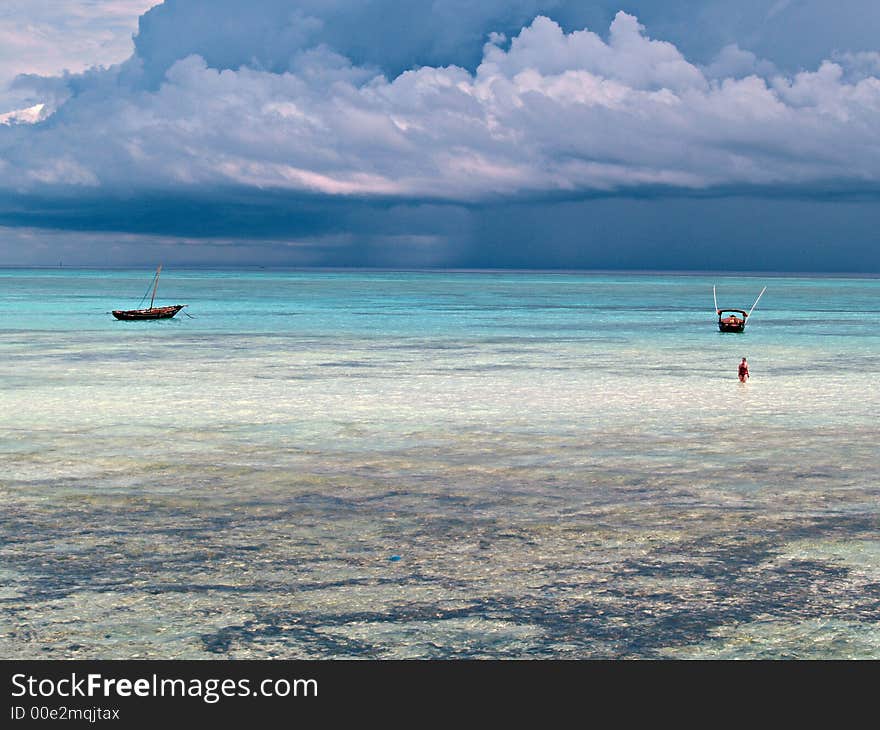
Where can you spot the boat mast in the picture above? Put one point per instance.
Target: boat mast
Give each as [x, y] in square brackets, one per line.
[756, 301]
[156, 285]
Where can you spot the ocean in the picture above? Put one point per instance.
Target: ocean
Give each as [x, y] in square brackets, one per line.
[373, 464]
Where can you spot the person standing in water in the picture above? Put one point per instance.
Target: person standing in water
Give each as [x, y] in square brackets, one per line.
[743, 371]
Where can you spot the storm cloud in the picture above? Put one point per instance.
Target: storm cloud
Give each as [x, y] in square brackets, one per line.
[306, 110]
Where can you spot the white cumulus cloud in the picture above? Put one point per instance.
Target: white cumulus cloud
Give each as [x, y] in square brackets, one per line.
[549, 112]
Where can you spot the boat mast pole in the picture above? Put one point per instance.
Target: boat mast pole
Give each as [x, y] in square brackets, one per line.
[156, 285]
[756, 301]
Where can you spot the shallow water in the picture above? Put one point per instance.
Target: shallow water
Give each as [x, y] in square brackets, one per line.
[565, 465]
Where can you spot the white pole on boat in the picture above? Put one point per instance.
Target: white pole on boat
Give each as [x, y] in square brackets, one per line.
[756, 302]
[714, 299]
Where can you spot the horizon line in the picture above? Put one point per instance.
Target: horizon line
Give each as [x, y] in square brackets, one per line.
[452, 270]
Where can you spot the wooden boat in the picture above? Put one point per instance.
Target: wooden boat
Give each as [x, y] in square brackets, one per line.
[151, 312]
[728, 321]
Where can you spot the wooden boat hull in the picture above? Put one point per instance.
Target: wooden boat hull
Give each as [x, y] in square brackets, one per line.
[152, 313]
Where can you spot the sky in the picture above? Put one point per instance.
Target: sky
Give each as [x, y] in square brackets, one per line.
[538, 134]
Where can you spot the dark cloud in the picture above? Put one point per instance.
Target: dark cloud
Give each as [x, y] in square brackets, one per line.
[396, 35]
[391, 36]
[369, 130]
[734, 232]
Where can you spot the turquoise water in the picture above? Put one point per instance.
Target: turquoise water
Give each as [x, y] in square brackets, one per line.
[566, 465]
